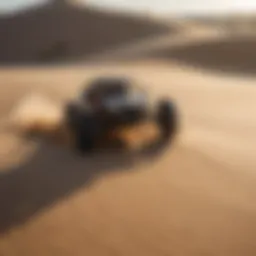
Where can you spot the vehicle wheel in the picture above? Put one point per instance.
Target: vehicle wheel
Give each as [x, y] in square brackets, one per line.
[166, 117]
[84, 127]
[87, 133]
[73, 115]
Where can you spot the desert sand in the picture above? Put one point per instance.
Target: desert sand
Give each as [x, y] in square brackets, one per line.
[195, 198]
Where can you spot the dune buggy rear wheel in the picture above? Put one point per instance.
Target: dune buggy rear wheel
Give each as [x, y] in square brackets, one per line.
[166, 117]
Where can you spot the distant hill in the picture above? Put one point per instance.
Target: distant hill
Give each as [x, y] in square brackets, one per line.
[235, 55]
[60, 31]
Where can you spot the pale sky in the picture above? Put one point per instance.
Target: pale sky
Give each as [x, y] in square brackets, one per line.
[158, 6]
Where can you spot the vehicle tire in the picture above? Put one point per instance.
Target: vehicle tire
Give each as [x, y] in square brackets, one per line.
[73, 115]
[166, 117]
[84, 127]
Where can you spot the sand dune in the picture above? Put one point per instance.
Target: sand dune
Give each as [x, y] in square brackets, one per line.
[233, 55]
[65, 32]
[196, 198]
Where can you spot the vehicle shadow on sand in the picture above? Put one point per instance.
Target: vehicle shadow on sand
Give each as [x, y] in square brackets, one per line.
[52, 174]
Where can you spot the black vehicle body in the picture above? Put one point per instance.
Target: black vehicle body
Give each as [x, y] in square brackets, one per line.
[109, 103]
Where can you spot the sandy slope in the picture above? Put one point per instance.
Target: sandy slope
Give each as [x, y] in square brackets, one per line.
[75, 33]
[234, 54]
[198, 198]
